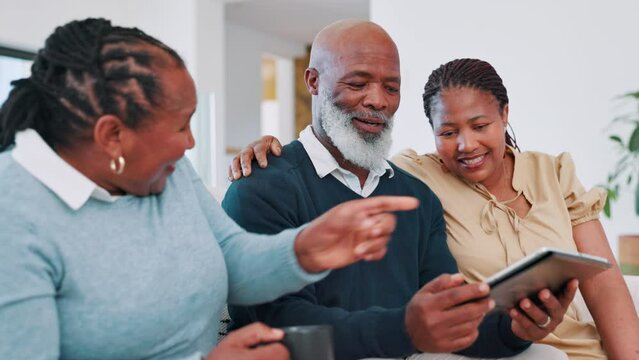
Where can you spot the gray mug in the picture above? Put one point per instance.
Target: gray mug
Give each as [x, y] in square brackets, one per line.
[312, 342]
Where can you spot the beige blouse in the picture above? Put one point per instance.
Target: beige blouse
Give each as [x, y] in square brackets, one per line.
[486, 235]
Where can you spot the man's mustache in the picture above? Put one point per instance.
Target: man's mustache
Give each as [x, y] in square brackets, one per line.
[388, 120]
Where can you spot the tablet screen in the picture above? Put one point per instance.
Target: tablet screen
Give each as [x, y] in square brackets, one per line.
[546, 268]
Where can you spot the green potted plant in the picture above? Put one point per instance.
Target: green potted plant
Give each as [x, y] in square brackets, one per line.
[624, 178]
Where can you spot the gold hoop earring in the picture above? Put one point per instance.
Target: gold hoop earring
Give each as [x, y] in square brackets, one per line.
[119, 167]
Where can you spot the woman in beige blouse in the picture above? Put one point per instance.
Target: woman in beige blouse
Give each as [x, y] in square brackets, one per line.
[501, 204]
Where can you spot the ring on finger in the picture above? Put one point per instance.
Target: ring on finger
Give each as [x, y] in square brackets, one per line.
[546, 323]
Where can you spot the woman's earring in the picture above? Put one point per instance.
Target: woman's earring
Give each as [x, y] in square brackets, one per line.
[512, 137]
[119, 167]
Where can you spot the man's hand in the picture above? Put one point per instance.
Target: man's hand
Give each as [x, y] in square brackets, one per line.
[349, 232]
[241, 163]
[444, 315]
[252, 342]
[530, 322]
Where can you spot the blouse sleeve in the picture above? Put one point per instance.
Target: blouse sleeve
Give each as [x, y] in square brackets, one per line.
[417, 165]
[406, 159]
[582, 205]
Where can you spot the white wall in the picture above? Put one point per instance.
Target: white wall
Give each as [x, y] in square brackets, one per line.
[209, 67]
[562, 62]
[244, 50]
[26, 23]
[285, 88]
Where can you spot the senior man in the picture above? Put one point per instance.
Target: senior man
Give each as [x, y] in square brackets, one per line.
[412, 300]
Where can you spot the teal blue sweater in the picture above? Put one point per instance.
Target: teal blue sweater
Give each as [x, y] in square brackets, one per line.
[365, 302]
[141, 278]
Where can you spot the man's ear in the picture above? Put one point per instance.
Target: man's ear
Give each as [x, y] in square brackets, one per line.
[311, 78]
[108, 133]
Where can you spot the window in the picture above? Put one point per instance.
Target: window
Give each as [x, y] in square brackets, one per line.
[14, 64]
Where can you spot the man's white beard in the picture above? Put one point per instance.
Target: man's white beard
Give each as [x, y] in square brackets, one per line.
[366, 150]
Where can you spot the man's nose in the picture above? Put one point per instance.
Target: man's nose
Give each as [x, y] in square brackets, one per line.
[375, 98]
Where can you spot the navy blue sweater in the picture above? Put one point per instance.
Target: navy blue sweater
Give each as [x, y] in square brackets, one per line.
[365, 302]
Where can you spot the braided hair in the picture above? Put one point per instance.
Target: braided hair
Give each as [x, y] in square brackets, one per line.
[471, 73]
[86, 69]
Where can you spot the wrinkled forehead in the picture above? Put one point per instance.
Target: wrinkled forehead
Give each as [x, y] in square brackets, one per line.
[366, 60]
[386, 61]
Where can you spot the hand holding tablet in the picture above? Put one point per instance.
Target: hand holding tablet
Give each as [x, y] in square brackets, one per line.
[546, 268]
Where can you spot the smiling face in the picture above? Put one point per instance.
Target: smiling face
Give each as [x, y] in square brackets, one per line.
[155, 147]
[363, 149]
[354, 76]
[366, 82]
[469, 133]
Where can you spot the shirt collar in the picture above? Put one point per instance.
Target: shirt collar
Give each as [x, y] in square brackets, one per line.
[70, 185]
[325, 163]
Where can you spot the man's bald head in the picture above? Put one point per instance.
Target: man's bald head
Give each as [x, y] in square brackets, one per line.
[345, 37]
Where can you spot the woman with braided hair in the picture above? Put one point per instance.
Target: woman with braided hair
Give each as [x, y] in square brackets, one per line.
[110, 245]
[501, 204]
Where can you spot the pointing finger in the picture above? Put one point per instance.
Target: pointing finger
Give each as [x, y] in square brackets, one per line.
[379, 204]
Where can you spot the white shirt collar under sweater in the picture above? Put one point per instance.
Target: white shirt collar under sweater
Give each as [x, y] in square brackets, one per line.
[70, 185]
[325, 164]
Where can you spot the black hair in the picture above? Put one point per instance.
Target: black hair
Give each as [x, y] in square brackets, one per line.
[472, 73]
[87, 69]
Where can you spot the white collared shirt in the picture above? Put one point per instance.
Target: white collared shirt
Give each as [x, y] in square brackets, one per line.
[325, 164]
[70, 185]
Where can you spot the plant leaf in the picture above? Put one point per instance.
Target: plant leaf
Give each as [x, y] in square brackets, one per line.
[634, 94]
[612, 196]
[633, 143]
[616, 139]
[620, 167]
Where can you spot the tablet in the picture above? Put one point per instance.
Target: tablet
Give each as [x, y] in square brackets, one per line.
[545, 268]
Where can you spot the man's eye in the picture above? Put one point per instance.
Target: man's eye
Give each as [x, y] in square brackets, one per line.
[392, 89]
[357, 85]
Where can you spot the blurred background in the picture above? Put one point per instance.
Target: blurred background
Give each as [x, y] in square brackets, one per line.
[564, 63]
